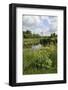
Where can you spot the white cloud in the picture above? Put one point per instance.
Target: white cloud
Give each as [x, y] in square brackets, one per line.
[30, 20]
[38, 24]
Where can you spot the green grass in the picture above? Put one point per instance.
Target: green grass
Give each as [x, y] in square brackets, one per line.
[40, 61]
[29, 42]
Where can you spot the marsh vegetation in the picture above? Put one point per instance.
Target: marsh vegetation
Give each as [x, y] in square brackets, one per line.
[39, 53]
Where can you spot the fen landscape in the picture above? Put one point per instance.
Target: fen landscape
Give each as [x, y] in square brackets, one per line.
[39, 45]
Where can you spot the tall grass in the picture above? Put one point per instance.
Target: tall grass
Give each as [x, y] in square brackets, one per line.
[40, 61]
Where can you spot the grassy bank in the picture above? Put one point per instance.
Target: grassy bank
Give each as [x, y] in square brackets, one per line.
[40, 61]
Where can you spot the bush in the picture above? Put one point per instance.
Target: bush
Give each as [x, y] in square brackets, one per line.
[45, 41]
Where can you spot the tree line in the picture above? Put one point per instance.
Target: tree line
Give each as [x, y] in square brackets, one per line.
[44, 40]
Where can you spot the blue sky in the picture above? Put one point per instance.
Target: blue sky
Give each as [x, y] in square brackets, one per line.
[43, 25]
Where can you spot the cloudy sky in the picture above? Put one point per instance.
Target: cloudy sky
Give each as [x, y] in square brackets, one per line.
[43, 25]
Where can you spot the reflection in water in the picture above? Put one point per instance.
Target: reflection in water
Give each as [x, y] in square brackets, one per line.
[34, 47]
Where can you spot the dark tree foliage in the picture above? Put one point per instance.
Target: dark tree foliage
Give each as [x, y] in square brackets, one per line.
[48, 40]
[45, 41]
[28, 34]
